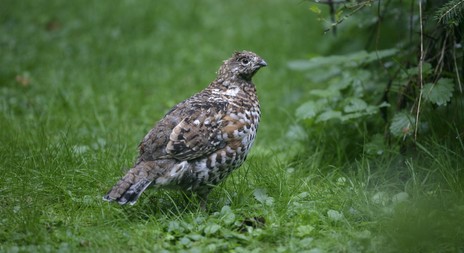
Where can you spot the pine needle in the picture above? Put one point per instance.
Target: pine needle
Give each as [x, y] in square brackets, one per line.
[451, 12]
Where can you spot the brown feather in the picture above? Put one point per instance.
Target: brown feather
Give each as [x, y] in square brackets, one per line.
[200, 140]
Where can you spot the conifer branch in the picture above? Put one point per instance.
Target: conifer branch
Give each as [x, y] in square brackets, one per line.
[451, 12]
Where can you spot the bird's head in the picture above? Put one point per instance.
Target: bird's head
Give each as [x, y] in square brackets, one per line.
[243, 64]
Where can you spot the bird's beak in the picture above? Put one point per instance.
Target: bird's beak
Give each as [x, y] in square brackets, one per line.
[262, 63]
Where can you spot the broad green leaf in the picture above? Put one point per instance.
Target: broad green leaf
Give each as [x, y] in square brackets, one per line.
[400, 197]
[334, 215]
[315, 9]
[322, 75]
[262, 197]
[228, 215]
[306, 243]
[175, 226]
[342, 83]
[380, 54]
[326, 93]
[426, 70]
[384, 104]
[439, 93]
[307, 110]
[296, 133]
[376, 146]
[380, 198]
[341, 181]
[365, 234]
[195, 237]
[185, 241]
[304, 230]
[339, 14]
[212, 228]
[354, 115]
[328, 115]
[303, 64]
[371, 109]
[80, 149]
[402, 124]
[349, 60]
[355, 105]
[368, 110]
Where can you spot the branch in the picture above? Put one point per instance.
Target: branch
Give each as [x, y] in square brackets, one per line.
[442, 18]
[334, 24]
[456, 69]
[421, 63]
[331, 1]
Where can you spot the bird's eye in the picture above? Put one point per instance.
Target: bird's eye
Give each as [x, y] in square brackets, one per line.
[245, 61]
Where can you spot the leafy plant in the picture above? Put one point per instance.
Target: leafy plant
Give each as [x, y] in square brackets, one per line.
[357, 88]
[348, 96]
[451, 13]
[439, 93]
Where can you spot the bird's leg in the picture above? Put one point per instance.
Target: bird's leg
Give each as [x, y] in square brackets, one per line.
[203, 196]
[189, 198]
[203, 204]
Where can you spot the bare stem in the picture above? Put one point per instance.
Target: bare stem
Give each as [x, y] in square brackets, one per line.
[456, 69]
[421, 63]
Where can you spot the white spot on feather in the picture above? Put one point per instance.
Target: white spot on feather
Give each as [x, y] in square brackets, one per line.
[233, 92]
[179, 169]
[213, 160]
[234, 116]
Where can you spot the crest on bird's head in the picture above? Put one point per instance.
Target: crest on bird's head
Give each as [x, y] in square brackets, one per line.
[242, 64]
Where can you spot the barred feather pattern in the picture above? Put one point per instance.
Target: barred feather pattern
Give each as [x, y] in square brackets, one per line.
[201, 140]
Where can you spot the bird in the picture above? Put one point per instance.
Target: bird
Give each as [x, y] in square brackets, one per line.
[201, 140]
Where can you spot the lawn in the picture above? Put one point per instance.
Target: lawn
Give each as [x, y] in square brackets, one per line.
[81, 82]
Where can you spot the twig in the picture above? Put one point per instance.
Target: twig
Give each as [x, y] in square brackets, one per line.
[332, 15]
[439, 67]
[456, 69]
[331, 1]
[411, 23]
[451, 9]
[358, 8]
[421, 63]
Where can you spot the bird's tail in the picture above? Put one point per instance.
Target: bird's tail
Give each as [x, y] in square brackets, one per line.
[136, 180]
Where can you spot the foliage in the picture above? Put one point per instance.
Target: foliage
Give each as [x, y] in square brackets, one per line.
[451, 13]
[420, 72]
[81, 82]
[349, 84]
[402, 124]
[439, 93]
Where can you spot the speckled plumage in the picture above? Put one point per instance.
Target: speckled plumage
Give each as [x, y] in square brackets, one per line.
[201, 140]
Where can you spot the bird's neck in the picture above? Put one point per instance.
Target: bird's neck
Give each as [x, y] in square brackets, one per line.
[231, 82]
[232, 87]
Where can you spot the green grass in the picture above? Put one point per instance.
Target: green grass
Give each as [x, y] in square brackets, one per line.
[82, 82]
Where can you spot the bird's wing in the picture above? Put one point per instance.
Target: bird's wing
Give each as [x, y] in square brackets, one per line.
[200, 132]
